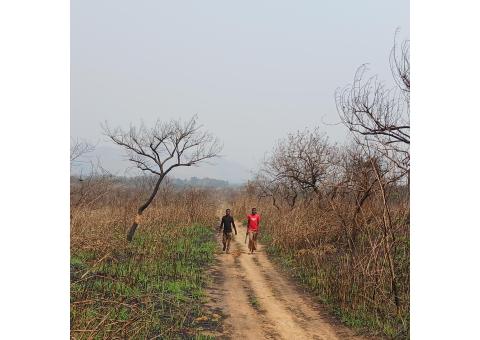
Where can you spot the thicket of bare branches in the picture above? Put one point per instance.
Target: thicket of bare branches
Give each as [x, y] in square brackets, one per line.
[94, 181]
[302, 160]
[379, 117]
[162, 148]
[342, 213]
[400, 65]
[79, 148]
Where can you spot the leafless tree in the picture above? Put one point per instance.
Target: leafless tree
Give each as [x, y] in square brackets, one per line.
[162, 148]
[92, 182]
[280, 190]
[378, 115]
[79, 148]
[91, 187]
[400, 64]
[304, 158]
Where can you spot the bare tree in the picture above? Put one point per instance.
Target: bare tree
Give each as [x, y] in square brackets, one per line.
[400, 64]
[378, 115]
[278, 189]
[87, 189]
[304, 158]
[79, 148]
[162, 148]
[92, 182]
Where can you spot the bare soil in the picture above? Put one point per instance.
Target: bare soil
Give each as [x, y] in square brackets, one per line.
[256, 300]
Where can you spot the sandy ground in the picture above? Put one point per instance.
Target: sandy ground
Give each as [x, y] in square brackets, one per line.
[258, 301]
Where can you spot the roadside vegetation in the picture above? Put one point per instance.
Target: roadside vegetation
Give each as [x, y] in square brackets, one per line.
[151, 287]
[338, 216]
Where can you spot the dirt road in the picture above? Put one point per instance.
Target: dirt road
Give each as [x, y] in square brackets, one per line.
[258, 301]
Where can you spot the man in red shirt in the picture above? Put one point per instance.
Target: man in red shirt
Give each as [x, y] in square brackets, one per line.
[253, 225]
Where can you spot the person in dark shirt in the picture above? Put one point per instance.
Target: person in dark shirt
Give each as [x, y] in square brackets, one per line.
[227, 223]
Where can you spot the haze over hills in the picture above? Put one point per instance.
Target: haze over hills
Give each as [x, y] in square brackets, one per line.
[114, 160]
[200, 182]
[204, 182]
[250, 81]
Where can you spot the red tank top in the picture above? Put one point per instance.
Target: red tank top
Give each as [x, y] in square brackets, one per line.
[253, 221]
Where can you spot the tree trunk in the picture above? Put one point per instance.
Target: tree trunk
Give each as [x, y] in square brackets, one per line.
[275, 203]
[387, 230]
[135, 224]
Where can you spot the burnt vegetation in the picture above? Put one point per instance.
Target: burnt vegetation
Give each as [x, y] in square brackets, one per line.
[151, 287]
[338, 216]
[161, 149]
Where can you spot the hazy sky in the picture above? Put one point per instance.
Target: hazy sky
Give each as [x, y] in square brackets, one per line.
[252, 70]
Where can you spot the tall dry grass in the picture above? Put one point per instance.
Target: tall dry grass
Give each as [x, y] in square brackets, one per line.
[351, 258]
[150, 287]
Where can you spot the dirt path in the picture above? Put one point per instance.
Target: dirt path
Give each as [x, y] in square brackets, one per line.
[259, 302]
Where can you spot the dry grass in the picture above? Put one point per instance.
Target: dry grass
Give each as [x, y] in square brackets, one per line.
[151, 287]
[342, 254]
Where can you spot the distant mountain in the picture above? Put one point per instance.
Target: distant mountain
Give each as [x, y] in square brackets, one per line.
[136, 181]
[114, 160]
[200, 182]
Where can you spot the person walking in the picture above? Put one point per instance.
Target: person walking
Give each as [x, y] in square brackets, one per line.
[227, 223]
[253, 225]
